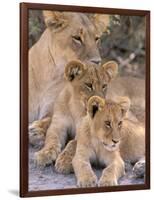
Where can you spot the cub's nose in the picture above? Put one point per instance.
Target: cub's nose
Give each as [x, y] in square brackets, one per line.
[96, 61]
[115, 141]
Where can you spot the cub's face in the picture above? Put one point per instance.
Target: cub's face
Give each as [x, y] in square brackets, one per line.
[87, 80]
[107, 120]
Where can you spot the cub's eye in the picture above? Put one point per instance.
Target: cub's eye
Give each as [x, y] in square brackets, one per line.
[120, 124]
[104, 86]
[97, 38]
[77, 38]
[108, 124]
[89, 86]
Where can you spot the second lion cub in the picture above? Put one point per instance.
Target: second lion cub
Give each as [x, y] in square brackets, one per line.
[82, 82]
[107, 137]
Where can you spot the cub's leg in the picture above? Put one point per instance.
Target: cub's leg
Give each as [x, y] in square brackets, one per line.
[54, 141]
[37, 131]
[112, 173]
[64, 160]
[82, 168]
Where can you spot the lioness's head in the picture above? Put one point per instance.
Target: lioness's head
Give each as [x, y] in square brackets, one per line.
[107, 119]
[77, 34]
[87, 80]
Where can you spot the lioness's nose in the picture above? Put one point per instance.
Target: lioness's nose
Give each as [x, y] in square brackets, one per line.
[115, 141]
[95, 60]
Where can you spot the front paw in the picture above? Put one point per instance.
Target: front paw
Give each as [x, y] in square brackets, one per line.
[139, 169]
[63, 163]
[36, 134]
[46, 156]
[107, 181]
[87, 181]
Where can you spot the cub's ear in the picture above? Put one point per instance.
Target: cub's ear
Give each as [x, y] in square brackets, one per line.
[74, 70]
[55, 19]
[101, 22]
[109, 70]
[124, 102]
[95, 103]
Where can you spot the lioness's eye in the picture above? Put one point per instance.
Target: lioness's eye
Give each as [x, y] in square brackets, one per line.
[89, 86]
[104, 86]
[108, 124]
[77, 38]
[120, 124]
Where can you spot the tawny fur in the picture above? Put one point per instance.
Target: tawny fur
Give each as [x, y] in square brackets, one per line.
[107, 137]
[134, 88]
[48, 57]
[56, 47]
[37, 131]
[83, 81]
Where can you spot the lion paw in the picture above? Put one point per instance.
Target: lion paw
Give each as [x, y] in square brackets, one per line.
[106, 181]
[64, 164]
[36, 135]
[87, 181]
[46, 156]
[139, 169]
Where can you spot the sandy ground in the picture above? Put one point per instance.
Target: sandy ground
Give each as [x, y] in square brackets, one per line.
[47, 178]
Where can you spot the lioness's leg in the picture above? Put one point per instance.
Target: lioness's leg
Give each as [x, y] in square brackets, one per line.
[54, 141]
[37, 131]
[82, 168]
[112, 173]
[132, 147]
[64, 160]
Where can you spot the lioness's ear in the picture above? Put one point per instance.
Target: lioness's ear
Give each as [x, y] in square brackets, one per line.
[110, 70]
[101, 22]
[124, 102]
[74, 70]
[95, 103]
[55, 19]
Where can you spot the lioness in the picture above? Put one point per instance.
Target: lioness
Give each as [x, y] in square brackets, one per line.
[68, 36]
[83, 81]
[106, 136]
[134, 88]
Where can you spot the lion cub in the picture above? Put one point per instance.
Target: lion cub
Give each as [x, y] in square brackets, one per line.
[106, 136]
[82, 82]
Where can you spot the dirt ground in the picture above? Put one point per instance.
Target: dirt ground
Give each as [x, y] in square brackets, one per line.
[48, 179]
